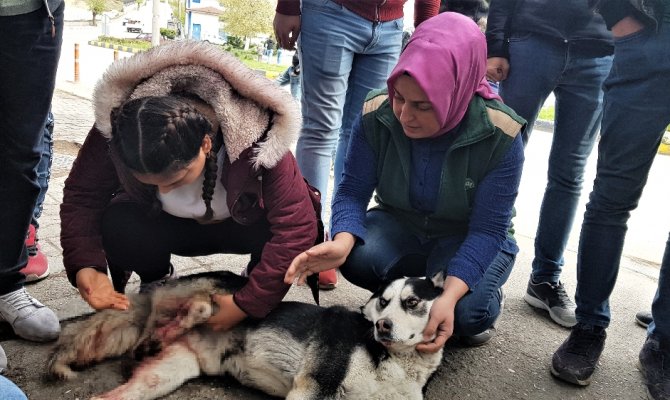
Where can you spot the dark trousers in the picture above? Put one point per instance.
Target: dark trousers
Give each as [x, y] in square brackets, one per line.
[135, 241]
[28, 62]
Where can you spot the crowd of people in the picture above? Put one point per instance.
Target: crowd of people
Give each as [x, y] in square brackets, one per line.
[190, 150]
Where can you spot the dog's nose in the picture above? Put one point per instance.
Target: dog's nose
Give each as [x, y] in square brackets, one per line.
[384, 326]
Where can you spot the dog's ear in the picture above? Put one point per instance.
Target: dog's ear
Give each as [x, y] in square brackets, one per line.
[438, 279]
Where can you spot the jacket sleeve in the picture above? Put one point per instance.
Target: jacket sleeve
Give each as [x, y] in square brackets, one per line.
[498, 24]
[293, 226]
[288, 7]
[614, 11]
[424, 9]
[88, 189]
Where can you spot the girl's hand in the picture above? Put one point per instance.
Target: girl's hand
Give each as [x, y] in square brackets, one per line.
[322, 257]
[96, 288]
[229, 313]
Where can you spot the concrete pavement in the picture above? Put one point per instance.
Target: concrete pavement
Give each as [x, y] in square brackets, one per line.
[514, 365]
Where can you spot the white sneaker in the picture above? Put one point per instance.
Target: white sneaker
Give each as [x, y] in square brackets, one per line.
[3, 360]
[29, 318]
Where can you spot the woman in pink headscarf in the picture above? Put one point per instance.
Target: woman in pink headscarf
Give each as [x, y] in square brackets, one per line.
[444, 158]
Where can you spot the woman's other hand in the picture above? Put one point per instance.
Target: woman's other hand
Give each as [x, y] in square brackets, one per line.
[322, 257]
[96, 288]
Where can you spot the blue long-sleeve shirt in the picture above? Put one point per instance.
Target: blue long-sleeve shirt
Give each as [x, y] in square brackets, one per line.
[491, 211]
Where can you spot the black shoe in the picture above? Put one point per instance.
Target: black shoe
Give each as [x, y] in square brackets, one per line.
[554, 299]
[655, 366]
[146, 287]
[577, 357]
[644, 318]
[484, 337]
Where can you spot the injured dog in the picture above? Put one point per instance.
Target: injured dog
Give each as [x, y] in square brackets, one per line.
[299, 351]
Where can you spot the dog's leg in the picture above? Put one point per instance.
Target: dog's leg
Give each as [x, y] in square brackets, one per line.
[108, 333]
[158, 376]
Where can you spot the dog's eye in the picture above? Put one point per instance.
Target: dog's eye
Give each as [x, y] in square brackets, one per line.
[411, 302]
[383, 302]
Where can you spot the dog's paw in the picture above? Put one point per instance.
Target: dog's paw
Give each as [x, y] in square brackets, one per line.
[198, 312]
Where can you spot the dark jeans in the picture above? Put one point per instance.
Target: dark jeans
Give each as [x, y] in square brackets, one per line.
[635, 114]
[44, 167]
[28, 62]
[391, 252]
[133, 241]
[539, 66]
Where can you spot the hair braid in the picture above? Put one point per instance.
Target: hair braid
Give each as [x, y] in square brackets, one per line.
[211, 169]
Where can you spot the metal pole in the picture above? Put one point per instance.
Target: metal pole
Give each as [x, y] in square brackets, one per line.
[155, 24]
[76, 62]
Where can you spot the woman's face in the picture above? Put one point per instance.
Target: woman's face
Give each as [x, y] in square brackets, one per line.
[168, 181]
[412, 108]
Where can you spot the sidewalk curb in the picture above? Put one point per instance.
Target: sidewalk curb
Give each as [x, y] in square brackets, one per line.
[119, 47]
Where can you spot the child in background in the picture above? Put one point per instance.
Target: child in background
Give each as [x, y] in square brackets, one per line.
[291, 75]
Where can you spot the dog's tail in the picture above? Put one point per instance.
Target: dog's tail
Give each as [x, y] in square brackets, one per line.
[106, 334]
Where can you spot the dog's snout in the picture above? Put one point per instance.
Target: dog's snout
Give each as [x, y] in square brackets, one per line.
[384, 325]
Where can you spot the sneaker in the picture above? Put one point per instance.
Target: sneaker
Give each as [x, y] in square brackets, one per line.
[3, 360]
[151, 286]
[653, 363]
[328, 279]
[483, 338]
[577, 357]
[554, 299]
[644, 318]
[29, 318]
[38, 263]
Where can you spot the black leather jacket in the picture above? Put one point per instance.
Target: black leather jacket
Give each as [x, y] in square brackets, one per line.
[569, 22]
[649, 12]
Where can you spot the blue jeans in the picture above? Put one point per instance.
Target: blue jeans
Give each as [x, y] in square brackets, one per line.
[10, 391]
[636, 112]
[391, 252]
[539, 66]
[343, 56]
[44, 167]
[28, 61]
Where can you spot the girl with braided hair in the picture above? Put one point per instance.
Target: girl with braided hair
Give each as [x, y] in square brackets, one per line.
[188, 158]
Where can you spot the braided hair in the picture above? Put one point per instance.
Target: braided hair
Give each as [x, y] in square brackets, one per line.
[156, 135]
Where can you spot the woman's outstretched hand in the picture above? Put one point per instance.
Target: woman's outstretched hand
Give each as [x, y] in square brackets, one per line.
[322, 257]
[96, 288]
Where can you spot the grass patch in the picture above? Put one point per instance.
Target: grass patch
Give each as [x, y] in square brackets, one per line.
[547, 114]
[136, 44]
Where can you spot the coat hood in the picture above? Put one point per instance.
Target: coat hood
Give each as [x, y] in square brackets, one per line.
[243, 100]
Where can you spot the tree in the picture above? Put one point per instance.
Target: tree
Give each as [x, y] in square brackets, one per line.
[246, 18]
[100, 6]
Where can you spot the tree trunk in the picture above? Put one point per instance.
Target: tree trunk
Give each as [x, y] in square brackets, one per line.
[247, 42]
[93, 23]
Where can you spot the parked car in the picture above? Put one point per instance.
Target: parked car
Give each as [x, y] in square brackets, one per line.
[144, 36]
[133, 25]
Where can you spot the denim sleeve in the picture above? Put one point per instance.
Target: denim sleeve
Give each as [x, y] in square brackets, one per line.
[490, 218]
[497, 25]
[358, 182]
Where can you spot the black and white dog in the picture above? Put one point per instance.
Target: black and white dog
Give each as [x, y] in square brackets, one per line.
[299, 351]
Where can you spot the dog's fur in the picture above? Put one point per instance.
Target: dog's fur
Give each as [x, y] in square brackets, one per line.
[299, 351]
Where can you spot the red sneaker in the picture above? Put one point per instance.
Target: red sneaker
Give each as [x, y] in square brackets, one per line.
[328, 279]
[38, 263]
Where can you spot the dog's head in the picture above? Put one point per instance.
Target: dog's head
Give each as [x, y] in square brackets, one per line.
[400, 309]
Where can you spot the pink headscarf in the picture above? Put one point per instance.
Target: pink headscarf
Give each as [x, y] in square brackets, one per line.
[447, 57]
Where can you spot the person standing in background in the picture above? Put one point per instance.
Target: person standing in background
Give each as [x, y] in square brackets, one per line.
[635, 115]
[31, 32]
[347, 48]
[536, 47]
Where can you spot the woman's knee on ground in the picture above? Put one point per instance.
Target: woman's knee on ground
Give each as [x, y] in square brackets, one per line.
[475, 315]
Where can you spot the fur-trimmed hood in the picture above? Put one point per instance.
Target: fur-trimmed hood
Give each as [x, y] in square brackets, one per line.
[242, 99]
